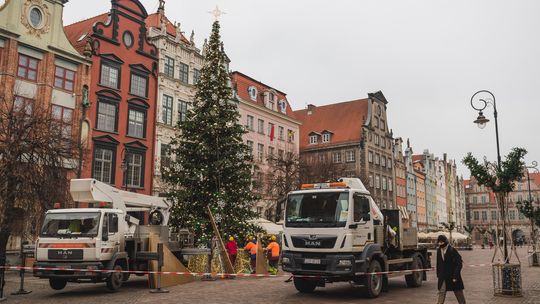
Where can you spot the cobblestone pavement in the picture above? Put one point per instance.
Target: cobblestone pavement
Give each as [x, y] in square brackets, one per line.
[478, 289]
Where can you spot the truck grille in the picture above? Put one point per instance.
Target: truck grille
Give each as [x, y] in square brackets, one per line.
[301, 241]
[313, 267]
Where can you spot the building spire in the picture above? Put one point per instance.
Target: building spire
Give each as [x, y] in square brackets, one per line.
[161, 8]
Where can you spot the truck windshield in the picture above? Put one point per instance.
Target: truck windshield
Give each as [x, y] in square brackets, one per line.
[324, 209]
[71, 225]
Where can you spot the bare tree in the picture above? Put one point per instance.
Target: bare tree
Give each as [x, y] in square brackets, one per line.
[285, 177]
[320, 170]
[37, 153]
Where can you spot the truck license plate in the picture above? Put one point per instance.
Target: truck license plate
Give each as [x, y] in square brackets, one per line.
[312, 261]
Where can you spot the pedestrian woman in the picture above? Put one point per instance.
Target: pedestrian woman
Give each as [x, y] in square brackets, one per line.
[449, 264]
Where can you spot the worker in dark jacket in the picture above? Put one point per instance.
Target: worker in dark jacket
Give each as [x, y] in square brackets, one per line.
[449, 266]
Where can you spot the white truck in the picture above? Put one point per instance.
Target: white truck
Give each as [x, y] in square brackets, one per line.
[107, 234]
[335, 232]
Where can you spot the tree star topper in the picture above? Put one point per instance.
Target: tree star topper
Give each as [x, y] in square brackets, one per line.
[217, 13]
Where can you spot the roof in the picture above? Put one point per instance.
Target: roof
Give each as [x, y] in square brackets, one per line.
[242, 82]
[345, 119]
[78, 31]
[154, 20]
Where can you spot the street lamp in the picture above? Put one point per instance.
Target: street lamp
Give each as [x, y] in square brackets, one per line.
[480, 101]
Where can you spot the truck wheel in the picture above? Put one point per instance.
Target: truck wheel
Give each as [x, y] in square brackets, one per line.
[374, 282]
[125, 276]
[304, 286]
[57, 284]
[114, 281]
[415, 279]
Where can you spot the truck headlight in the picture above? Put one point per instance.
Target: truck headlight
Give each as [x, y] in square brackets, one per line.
[286, 261]
[344, 263]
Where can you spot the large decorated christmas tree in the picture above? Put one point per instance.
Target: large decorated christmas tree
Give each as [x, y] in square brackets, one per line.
[211, 164]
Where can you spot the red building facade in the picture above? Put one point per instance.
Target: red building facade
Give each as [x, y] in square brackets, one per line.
[121, 116]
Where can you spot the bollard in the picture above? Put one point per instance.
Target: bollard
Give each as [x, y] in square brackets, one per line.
[21, 290]
[160, 265]
[2, 279]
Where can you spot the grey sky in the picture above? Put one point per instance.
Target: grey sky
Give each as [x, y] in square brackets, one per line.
[428, 57]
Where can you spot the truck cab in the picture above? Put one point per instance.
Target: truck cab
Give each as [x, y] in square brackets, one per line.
[336, 232]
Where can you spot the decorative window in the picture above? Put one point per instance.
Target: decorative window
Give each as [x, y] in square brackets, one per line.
[249, 122]
[252, 91]
[196, 76]
[182, 110]
[184, 72]
[326, 137]
[36, 17]
[383, 143]
[384, 183]
[483, 198]
[282, 106]
[391, 186]
[370, 156]
[313, 139]
[350, 156]
[383, 161]
[281, 133]
[139, 85]
[336, 157]
[377, 159]
[107, 116]
[271, 151]
[136, 123]
[64, 78]
[103, 164]
[383, 125]
[166, 114]
[128, 39]
[260, 152]
[168, 68]
[135, 165]
[493, 214]
[28, 67]
[110, 75]
[165, 156]
[260, 126]
[484, 215]
[377, 140]
[377, 182]
[64, 116]
[389, 163]
[512, 214]
[476, 215]
[250, 147]
[371, 181]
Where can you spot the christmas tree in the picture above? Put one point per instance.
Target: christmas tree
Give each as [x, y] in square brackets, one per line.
[212, 164]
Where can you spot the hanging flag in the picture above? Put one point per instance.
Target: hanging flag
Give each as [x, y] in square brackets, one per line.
[272, 133]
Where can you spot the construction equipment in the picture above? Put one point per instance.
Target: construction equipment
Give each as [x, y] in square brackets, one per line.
[107, 232]
[336, 232]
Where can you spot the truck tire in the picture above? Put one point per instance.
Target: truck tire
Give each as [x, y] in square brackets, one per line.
[114, 281]
[415, 279]
[373, 283]
[57, 284]
[304, 286]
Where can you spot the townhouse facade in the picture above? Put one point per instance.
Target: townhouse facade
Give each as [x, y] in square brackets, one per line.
[441, 190]
[272, 134]
[482, 210]
[421, 207]
[355, 136]
[401, 182]
[122, 111]
[412, 196]
[180, 63]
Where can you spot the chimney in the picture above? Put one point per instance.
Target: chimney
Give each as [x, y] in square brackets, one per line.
[310, 108]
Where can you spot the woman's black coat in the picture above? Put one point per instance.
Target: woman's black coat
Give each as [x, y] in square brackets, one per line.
[450, 269]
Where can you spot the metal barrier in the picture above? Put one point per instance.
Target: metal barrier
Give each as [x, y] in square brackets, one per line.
[27, 251]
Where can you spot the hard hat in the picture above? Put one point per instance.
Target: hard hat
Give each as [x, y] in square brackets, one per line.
[231, 238]
[273, 238]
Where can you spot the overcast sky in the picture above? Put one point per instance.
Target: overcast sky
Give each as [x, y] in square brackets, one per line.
[428, 58]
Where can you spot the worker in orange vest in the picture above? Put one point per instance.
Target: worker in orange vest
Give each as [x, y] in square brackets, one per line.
[251, 247]
[272, 252]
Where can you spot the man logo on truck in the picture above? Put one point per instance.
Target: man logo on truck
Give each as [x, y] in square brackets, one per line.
[313, 243]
